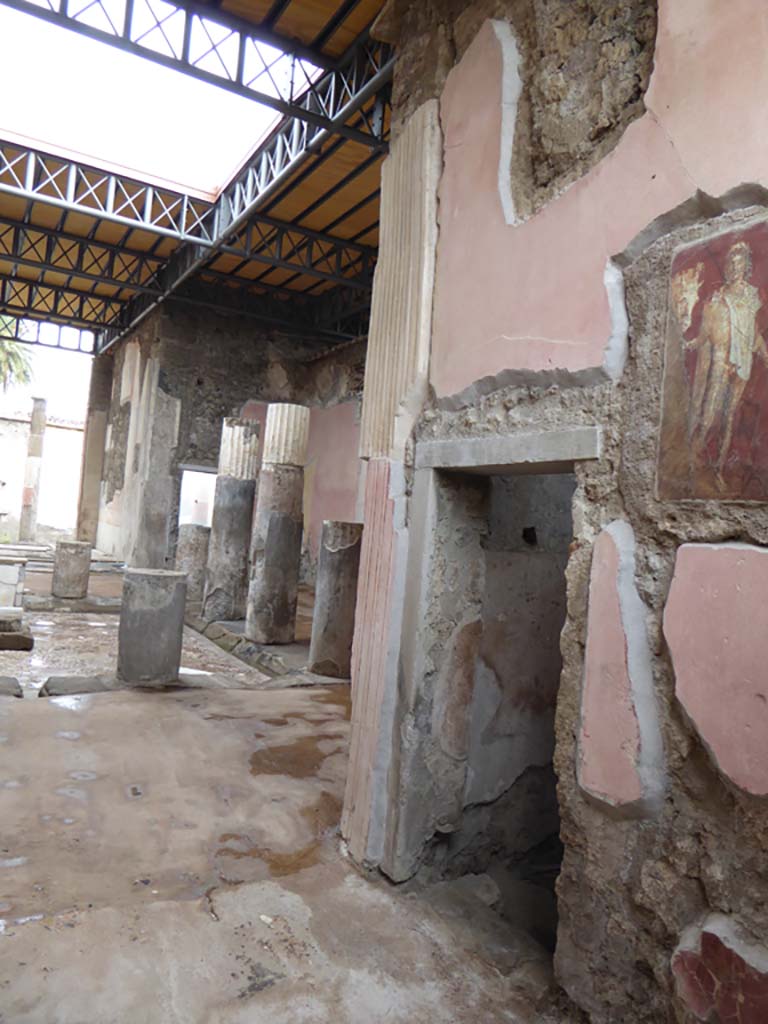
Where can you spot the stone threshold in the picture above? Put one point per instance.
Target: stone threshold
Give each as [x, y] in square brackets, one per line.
[48, 603]
[285, 663]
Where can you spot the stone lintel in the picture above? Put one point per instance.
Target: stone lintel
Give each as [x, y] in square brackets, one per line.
[542, 451]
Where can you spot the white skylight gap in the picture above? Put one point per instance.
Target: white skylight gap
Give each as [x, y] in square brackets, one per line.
[83, 97]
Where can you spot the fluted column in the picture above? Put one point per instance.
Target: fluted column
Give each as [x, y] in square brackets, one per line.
[32, 467]
[226, 577]
[277, 527]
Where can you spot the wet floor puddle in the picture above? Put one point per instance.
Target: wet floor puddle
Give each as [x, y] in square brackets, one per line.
[322, 817]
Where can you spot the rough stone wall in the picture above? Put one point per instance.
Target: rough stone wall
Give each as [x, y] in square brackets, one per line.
[586, 66]
[204, 366]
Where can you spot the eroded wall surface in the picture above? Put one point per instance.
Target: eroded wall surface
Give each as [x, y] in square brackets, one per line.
[631, 299]
[174, 380]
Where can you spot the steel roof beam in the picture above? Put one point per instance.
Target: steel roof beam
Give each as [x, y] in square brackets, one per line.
[300, 250]
[62, 252]
[30, 331]
[220, 52]
[22, 298]
[271, 166]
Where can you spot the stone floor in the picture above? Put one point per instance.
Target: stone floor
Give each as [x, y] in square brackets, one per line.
[173, 858]
[85, 644]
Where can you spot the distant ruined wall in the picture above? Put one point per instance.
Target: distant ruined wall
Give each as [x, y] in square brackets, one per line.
[634, 301]
[175, 378]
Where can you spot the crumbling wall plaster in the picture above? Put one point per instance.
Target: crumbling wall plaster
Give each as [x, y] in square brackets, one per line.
[528, 336]
[565, 320]
[584, 65]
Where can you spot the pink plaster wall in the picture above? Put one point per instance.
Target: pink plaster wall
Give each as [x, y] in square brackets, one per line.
[609, 734]
[716, 625]
[333, 466]
[531, 296]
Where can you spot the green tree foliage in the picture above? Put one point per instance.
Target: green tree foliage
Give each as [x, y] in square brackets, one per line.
[15, 361]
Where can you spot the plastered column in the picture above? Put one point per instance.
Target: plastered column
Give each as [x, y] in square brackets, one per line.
[226, 577]
[333, 623]
[151, 626]
[277, 528]
[192, 558]
[71, 569]
[93, 448]
[31, 492]
[396, 381]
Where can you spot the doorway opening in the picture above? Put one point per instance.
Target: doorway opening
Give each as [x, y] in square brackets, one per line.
[516, 531]
[196, 498]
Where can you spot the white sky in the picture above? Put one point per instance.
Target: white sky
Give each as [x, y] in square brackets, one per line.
[61, 378]
[61, 90]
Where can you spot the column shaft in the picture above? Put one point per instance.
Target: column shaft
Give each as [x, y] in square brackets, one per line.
[93, 448]
[151, 626]
[192, 558]
[333, 622]
[226, 577]
[278, 527]
[276, 556]
[32, 467]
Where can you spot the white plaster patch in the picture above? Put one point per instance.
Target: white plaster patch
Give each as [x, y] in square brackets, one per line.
[511, 90]
[650, 765]
[731, 934]
[617, 348]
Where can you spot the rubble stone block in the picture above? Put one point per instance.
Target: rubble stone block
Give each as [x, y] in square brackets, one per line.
[18, 640]
[10, 687]
[716, 625]
[71, 569]
[620, 758]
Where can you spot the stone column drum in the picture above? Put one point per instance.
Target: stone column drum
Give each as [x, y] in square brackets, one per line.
[333, 623]
[71, 569]
[277, 527]
[151, 626]
[192, 558]
[226, 577]
[32, 467]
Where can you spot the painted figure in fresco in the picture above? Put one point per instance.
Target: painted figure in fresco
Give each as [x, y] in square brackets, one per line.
[726, 347]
